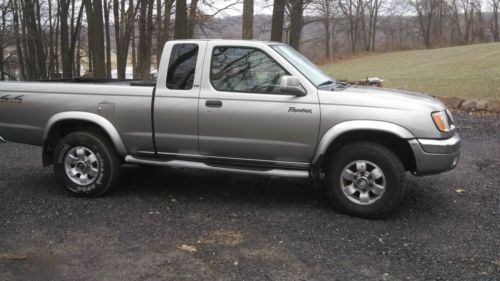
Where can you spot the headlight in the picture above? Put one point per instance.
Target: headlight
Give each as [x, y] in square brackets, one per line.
[442, 121]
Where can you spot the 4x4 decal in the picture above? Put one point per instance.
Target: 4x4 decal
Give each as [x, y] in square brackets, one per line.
[11, 99]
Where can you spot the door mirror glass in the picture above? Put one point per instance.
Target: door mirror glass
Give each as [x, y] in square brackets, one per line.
[290, 85]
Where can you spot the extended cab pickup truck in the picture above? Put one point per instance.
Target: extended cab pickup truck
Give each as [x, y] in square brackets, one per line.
[236, 106]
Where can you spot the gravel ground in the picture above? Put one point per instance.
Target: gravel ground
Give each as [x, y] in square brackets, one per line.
[167, 224]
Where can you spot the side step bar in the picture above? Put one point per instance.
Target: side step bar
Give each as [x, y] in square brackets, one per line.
[233, 169]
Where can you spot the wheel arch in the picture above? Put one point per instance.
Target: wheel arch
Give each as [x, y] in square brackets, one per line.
[64, 123]
[388, 134]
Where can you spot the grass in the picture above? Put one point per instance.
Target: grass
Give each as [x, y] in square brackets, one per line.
[466, 71]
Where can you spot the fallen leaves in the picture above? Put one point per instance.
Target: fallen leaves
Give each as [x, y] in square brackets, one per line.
[13, 257]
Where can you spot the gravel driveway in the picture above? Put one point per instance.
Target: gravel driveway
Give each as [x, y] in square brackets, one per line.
[168, 224]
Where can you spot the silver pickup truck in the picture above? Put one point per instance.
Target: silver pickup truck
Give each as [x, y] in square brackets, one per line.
[237, 106]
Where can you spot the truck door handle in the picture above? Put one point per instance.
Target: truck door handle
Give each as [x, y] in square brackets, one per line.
[213, 103]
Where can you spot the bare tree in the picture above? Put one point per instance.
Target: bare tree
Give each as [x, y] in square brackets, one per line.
[426, 15]
[145, 40]
[296, 23]
[107, 8]
[192, 19]
[247, 28]
[495, 5]
[19, 40]
[94, 13]
[69, 34]
[124, 26]
[465, 12]
[352, 11]
[163, 26]
[3, 30]
[369, 20]
[180, 19]
[33, 39]
[277, 20]
[326, 13]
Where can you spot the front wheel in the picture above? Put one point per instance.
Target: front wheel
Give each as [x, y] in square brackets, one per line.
[366, 180]
[86, 164]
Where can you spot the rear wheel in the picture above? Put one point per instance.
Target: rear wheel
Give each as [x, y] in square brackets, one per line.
[366, 180]
[86, 164]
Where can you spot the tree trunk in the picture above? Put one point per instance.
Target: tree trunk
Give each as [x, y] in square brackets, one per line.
[107, 7]
[328, 37]
[296, 23]
[277, 20]
[134, 58]
[2, 34]
[496, 28]
[159, 32]
[145, 39]
[96, 36]
[192, 20]
[34, 38]
[50, 68]
[75, 37]
[19, 48]
[180, 19]
[247, 29]
[67, 63]
[78, 58]
[124, 28]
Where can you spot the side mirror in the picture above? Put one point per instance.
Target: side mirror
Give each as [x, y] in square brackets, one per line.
[290, 85]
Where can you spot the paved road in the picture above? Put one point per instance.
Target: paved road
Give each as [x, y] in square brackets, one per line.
[188, 225]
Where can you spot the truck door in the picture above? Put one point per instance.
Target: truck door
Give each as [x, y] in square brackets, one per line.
[242, 114]
[176, 101]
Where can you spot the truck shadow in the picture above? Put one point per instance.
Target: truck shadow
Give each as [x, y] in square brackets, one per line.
[187, 184]
[193, 184]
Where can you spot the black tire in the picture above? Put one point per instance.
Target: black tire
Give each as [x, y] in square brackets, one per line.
[106, 159]
[394, 179]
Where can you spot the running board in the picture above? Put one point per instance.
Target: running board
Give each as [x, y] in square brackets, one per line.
[232, 169]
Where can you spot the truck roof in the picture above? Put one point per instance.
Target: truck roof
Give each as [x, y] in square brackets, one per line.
[229, 40]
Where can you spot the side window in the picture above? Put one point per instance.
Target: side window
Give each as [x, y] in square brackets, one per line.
[181, 66]
[248, 70]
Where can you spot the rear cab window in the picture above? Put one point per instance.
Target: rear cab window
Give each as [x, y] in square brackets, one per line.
[182, 66]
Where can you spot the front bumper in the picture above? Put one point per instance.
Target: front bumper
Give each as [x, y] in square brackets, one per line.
[435, 156]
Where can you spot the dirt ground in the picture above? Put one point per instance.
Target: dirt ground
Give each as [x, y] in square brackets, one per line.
[169, 224]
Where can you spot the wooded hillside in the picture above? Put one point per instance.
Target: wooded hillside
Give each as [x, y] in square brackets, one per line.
[50, 39]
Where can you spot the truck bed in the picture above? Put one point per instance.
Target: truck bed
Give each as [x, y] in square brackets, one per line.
[127, 82]
[27, 107]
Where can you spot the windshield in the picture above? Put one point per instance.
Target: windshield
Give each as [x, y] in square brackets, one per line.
[305, 66]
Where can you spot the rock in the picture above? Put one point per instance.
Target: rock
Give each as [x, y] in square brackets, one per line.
[468, 105]
[481, 105]
[188, 248]
[452, 102]
[494, 106]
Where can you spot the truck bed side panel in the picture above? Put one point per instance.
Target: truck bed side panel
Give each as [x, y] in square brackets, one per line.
[26, 107]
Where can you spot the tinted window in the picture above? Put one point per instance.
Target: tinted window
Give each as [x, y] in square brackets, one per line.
[244, 70]
[181, 66]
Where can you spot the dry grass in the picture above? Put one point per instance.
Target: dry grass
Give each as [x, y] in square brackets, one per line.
[466, 71]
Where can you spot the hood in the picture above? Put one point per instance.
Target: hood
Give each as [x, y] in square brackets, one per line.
[381, 98]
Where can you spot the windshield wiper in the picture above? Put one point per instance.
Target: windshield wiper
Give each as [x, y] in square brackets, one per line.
[326, 83]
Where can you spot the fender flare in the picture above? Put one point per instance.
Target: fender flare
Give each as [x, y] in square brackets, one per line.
[100, 121]
[348, 126]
